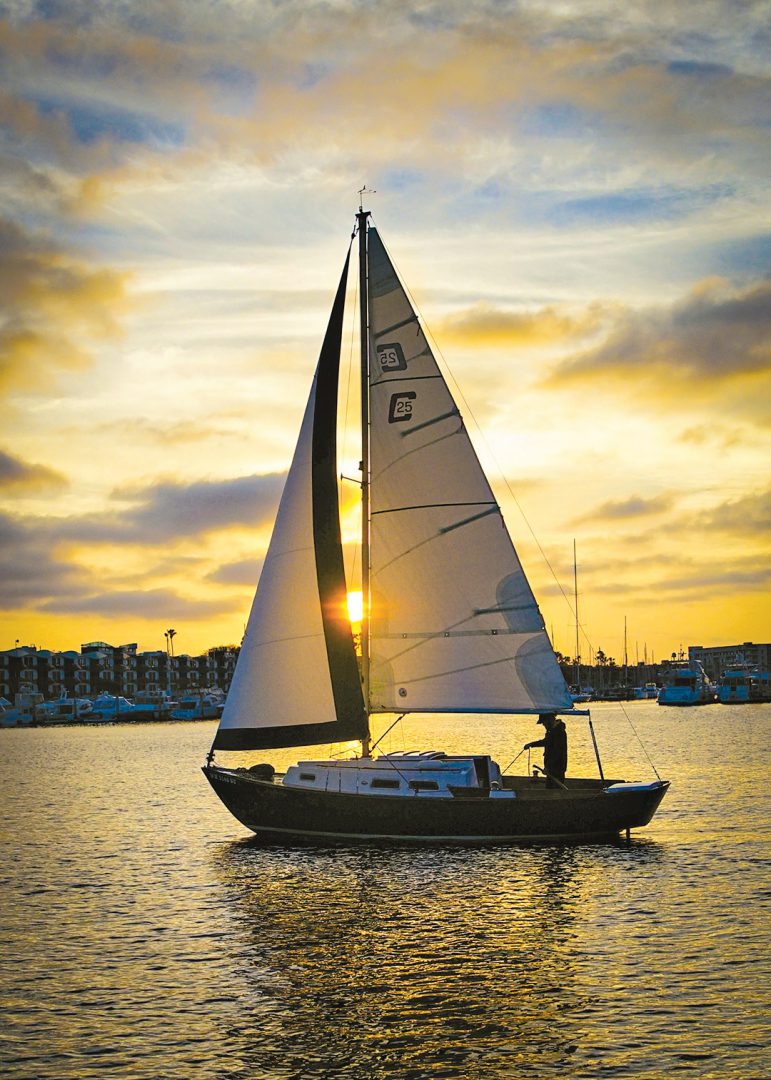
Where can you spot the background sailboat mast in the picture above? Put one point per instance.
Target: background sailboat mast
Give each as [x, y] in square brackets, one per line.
[578, 642]
[361, 218]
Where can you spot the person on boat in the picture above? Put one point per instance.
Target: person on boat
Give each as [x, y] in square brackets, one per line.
[555, 749]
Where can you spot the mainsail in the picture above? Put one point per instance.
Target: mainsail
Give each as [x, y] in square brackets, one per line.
[454, 624]
[297, 679]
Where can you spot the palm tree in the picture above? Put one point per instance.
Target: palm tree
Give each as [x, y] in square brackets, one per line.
[170, 635]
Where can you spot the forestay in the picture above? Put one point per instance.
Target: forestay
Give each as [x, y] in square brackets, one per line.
[454, 625]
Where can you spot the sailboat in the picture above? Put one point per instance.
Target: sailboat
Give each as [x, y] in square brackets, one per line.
[450, 624]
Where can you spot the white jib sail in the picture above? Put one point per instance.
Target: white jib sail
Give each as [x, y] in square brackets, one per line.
[454, 624]
[282, 677]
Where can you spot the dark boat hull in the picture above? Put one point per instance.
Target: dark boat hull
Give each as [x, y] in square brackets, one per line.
[583, 813]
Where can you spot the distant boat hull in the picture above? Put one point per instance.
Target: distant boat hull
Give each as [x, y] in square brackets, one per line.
[674, 696]
[743, 686]
[649, 692]
[743, 696]
[586, 811]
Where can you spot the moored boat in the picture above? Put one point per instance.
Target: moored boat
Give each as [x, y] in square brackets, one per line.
[743, 684]
[204, 705]
[155, 704]
[112, 707]
[64, 710]
[686, 683]
[581, 695]
[648, 692]
[14, 715]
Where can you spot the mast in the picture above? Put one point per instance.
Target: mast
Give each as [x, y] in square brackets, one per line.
[361, 218]
[626, 661]
[575, 591]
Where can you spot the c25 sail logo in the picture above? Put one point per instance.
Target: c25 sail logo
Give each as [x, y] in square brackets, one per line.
[400, 407]
[391, 357]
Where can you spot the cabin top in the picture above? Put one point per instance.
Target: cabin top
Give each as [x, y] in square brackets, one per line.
[427, 772]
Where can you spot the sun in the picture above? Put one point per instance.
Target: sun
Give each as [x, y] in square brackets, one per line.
[355, 607]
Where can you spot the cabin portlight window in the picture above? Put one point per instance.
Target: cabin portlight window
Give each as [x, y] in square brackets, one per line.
[379, 783]
[307, 776]
[424, 785]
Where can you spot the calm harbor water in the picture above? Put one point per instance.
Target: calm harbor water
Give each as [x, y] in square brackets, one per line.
[145, 936]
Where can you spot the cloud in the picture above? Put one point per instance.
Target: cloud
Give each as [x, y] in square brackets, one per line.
[144, 604]
[25, 127]
[717, 334]
[30, 571]
[749, 515]
[168, 511]
[636, 204]
[651, 579]
[692, 585]
[273, 82]
[720, 434]
[634, 507]
[243, 572]
[17, 476]
[52, 305]
[730, 579]
[35, 573]
[171, 433]
[486, 324]
[25, 185]
[78, 94]
[34, 577]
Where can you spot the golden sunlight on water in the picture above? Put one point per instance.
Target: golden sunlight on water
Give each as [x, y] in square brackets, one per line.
[150, 936]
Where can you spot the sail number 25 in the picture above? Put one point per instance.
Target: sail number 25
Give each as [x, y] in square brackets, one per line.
[400, 407]
[391, 357]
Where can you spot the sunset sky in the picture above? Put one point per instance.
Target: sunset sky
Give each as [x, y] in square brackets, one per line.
[576, 195]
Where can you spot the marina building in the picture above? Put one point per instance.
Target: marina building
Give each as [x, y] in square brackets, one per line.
[719, 658]
[115, 669]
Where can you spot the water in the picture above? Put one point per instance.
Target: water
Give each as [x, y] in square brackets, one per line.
[146, 937]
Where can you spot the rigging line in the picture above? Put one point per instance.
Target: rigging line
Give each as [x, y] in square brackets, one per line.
[406, 378]
[282, 640]
[291, 551]
[389, 728]
[642, 744]
[427, 332]
[430, 506]
[519, 755]
[394, 767]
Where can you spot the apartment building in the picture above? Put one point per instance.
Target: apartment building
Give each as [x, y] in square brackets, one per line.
[115, 669]
[717, 659]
